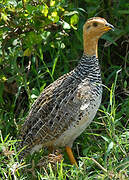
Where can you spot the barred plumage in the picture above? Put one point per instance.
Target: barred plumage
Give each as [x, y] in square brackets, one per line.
[68, 105]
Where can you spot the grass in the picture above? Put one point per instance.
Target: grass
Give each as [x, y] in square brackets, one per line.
[103, 150]
[30, 61]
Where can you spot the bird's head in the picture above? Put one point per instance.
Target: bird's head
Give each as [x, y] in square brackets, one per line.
[96, 27]
[93, 29]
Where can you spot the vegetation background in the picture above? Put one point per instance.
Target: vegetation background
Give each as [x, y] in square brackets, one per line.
[40, 40]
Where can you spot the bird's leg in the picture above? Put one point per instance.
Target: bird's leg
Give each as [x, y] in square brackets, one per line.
[71, 156]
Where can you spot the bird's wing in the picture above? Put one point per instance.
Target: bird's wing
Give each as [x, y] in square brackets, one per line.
[48, 111]
[53, 112]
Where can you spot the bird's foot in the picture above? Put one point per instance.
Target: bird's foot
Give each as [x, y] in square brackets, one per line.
[52, 158]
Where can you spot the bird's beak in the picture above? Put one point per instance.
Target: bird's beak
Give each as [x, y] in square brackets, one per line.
[108, 27]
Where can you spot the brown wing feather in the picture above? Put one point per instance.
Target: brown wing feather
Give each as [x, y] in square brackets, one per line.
[52, 113]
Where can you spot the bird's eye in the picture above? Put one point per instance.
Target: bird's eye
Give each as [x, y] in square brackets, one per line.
[95, 24]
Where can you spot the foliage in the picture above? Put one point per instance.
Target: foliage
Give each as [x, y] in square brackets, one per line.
[41, 40]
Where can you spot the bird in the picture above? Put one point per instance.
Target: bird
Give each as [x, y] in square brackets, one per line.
[68, 105]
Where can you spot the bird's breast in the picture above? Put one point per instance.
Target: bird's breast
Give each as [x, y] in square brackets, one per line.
[87, 111]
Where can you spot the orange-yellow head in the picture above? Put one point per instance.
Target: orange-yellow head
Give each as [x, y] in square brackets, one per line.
[93, 29]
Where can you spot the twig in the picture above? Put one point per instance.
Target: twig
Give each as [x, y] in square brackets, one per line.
[99, 165]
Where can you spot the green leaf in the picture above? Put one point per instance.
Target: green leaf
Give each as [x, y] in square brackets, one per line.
[123, 12]
[110, 147]
[12, 2]
[34, 93]
[74, 19]
[125, 84]
[108, 38]
[66, 25]
[45, 11]
[27, 52]
[55, 62]
[54, 17]
[4, 17]
[111, 94]
[70, 13]
[106, 139]
[52, 3]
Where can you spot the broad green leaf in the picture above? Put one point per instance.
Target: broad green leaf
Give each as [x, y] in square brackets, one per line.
[45, 11]
[62, 46]
[70, 13]
[54, 17]
[4, 16]
[27, 52]
[13, 2]
[66, 25]
[74, 19]
[3, 78]
[52, 3]
[33, 96]
[54, 14]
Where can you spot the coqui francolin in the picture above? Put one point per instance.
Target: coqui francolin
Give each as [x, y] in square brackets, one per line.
[67, 106]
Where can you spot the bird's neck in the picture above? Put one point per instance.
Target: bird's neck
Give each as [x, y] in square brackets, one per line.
[90, 45]
[88, 68]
